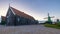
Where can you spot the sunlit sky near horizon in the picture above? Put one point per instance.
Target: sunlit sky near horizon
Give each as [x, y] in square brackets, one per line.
[36, 8]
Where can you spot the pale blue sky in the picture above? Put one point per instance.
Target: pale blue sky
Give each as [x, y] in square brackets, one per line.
[36, 8]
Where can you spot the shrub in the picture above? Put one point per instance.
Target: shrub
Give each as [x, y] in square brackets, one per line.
[47, 22]
[3, 23]
[58, 24]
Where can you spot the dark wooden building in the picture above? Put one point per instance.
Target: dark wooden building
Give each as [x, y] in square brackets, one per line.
[3, 18]
[16, 17]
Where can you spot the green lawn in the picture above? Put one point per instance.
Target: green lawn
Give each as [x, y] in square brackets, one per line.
[52, 26]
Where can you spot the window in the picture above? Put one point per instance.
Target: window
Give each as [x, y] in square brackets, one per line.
[7, 16]
[18, 19]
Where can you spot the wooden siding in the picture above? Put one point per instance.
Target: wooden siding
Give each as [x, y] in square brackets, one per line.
[12, 19]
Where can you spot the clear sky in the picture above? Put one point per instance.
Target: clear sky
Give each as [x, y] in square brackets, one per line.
[36, 8]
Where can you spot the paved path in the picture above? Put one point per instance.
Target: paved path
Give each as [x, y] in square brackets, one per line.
[28, 29]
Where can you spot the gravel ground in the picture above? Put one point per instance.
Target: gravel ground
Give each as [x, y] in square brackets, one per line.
[28, 29]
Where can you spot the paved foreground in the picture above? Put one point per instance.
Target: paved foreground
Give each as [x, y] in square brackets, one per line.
[28, 29]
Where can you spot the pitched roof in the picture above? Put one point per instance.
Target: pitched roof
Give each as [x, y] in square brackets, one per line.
[22, 14]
